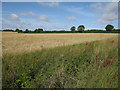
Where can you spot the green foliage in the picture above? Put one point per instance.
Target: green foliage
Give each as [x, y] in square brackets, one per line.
[38, 30]
[81, 28]
[8, 30]
[26, 31]
[20, 31]
[73, 66]
[72, 28]
[109, 27]
[62, 31]
[17, 30]
[59, 31]
[86, 31]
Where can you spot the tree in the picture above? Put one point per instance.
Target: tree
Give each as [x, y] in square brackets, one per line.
[26, 30]
[35, 30]
[20, 31]
[38, 30]
[17, 30]
[109, 27]
[72, 28]
[81, 28]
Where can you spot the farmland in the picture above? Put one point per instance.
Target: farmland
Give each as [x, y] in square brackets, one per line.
[18, 43]
[79, 60]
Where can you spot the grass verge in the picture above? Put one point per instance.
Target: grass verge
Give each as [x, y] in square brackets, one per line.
[86, 65]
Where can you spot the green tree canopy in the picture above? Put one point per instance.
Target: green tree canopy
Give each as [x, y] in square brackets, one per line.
[109, 27]
[38, 30]
[17, 30]
[26, 30]
[72, 28]
[81, 28]
[20, 31]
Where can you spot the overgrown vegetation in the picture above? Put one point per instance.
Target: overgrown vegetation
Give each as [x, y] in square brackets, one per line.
[87, 65]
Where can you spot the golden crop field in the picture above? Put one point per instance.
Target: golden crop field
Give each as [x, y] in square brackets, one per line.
[13, 42]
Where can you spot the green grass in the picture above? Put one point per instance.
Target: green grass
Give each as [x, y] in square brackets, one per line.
[73, 66]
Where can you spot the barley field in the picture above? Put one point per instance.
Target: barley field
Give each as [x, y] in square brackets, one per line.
[13, 42]
[59, 60]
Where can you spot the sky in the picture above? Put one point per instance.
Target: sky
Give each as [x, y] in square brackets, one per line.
[58, 15]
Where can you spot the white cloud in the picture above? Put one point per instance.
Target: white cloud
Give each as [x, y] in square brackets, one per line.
[45, 27]
[45, 18]
[109, 12]
[59, 27]
[49, 4]
[39, 25]
[27, 14]
[13, 21]
[77, 11]
[115, 0]
[101, 21]
[98, 6]
[41, 17]
[52, 27]
[9, 25]
[14, 18]
[110, 16]
[72, 18]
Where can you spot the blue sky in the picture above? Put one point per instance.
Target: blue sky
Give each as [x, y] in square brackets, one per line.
[58, 15]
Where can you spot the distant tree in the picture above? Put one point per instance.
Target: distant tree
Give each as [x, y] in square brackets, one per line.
[9, 30]
[26, 30]
[72, 28]
[81, 28]
[20, 31]
[17, 30]
[38, 30]
[109, 27]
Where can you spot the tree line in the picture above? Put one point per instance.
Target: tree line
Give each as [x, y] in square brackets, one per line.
[80, 29]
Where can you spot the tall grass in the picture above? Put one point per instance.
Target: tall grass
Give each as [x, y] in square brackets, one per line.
[86, 65]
